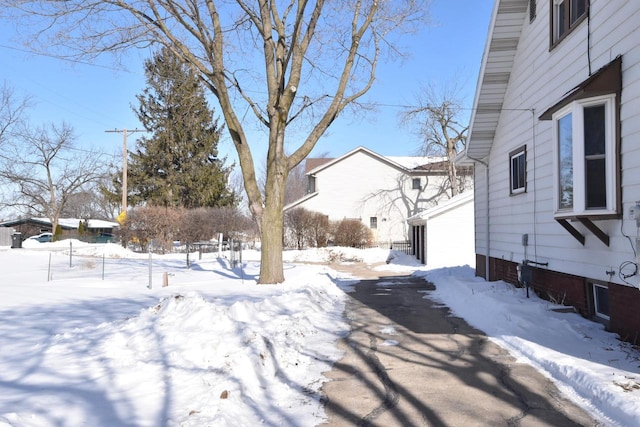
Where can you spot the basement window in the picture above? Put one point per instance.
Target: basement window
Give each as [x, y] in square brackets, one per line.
[601, 301]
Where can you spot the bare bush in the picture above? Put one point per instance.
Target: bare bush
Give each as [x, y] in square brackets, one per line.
[297, 224]
[151, 223]
[195, 225]
[306, 228]
[164, 225]
[232, 223]
[320, 230]
[351, 233]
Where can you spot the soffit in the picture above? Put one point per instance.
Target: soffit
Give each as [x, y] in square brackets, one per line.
[497, 62]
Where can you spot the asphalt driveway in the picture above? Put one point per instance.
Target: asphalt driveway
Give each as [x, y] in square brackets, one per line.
[408, 362]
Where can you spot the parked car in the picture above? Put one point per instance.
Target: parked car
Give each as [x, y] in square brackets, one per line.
[42, 237]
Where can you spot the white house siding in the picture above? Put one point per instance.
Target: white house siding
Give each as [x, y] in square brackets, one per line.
[539, 79]
[362, 185]
[448, 232]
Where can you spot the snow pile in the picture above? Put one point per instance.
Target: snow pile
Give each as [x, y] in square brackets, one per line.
[86, 340]
[589, 364]
[339, 254]
[227, 355]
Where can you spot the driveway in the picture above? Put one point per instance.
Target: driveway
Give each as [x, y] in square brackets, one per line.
[408, 362]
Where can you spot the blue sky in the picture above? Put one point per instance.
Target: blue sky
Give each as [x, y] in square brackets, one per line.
[97, 98]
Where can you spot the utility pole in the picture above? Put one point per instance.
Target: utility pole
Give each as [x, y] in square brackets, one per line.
[124, 133]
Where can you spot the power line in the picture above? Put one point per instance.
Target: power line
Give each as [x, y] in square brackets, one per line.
[64, 58]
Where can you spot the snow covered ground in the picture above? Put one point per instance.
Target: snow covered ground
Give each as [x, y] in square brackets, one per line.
[95, 339]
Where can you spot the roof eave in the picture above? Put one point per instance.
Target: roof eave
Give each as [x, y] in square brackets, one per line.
[495, 71]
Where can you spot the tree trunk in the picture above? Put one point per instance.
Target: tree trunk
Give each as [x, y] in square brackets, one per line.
[272, 220]
[271, 270]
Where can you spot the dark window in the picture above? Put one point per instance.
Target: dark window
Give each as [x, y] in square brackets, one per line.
[518, 166]
[311, 184]
[565, 15]
[416, 184]
[532, 10]
[594, 149]
[373, 222]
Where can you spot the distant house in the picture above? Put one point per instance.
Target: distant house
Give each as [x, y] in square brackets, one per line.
[382, 192]
[555, 137]
[33, 226]
[443, 236]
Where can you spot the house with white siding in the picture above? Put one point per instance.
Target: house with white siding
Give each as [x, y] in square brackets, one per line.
[380, 191]
[555, 138]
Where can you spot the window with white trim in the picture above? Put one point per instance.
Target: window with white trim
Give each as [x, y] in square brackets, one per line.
[584, 157]
[517, 169]
[601, 301]
[416, 184]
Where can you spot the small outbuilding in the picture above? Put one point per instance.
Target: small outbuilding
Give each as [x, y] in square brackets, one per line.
[444, 236]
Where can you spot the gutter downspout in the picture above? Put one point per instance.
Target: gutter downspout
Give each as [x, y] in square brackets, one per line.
[487, 222]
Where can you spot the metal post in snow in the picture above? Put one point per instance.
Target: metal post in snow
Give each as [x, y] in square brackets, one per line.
[49, 269]
[241, 266]
[150, 281]
[188, 265]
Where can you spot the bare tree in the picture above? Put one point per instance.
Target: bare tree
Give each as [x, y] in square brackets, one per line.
[438, 122]
[12, 109]
[41, 171]
[296, 63]
[90, 203]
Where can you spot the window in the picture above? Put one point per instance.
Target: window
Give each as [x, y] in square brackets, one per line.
[311, 184]
[601, 301]
[415, 184]
[373, 222]
[566, 15]
[518, 164]
[585, 159]
[532, 10]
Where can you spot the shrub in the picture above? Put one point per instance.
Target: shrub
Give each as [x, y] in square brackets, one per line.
[351, 233]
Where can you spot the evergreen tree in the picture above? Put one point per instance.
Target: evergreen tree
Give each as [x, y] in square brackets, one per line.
[178, 165]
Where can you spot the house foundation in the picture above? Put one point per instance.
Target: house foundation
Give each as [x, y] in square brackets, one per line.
[576, 292]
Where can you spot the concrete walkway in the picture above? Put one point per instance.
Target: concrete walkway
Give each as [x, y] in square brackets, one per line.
[409, 363]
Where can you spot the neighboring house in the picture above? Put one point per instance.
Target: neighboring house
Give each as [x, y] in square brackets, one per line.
[555, 135]
[382, 192]
[443, 236]
[33, 226]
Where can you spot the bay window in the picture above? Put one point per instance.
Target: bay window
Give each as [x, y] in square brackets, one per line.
[585, 157]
